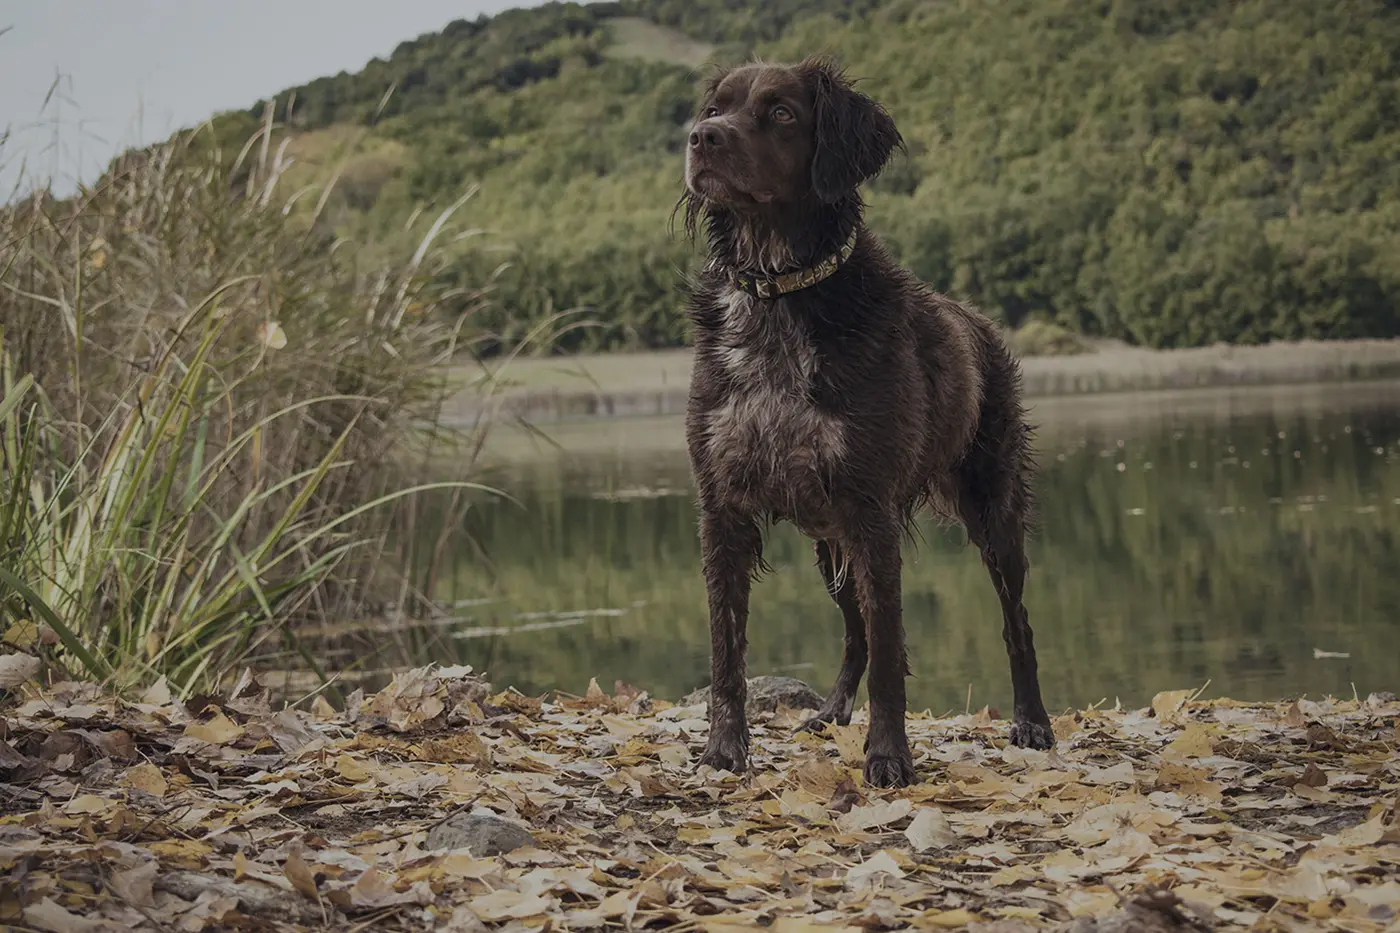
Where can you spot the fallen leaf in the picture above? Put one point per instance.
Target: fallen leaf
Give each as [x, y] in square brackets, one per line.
[818, 775]
[48, 915]
[954, 919]
[219, 730]
[880, 813]
[867, 872]
[1195, 741]
[850, 743]
[509, 905]
[22, 634]
[189, 854]
[1187, 779]
[1167, 704]
[1294, 716]
[372, 890]
[350, 769]
[148, 778]
[299, 874]
[134, 885]
[271, 335]
[15, 669]
[929, 830]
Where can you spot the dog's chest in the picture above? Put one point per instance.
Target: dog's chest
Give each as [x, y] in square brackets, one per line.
[769, 444]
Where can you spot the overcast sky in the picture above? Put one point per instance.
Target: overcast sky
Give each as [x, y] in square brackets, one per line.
[134, 71]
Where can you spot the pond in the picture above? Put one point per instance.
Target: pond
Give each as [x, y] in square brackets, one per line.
[1246, 541]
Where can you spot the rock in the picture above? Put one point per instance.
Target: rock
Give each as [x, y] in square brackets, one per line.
[766, 694]
[479, 834]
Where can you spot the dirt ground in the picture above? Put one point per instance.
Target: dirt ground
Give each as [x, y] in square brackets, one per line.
[441, 803]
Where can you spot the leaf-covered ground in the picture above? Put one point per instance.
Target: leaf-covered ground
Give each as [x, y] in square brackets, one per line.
[221, 813]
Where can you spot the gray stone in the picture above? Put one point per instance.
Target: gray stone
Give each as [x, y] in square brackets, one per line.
[479, 834]
[766, 694]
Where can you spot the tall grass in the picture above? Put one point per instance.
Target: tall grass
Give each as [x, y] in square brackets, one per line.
[210, 409]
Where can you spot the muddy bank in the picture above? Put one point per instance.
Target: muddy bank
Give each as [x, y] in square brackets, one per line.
[656, 384]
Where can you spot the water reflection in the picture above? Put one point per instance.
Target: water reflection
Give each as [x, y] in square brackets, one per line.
[1206, 536]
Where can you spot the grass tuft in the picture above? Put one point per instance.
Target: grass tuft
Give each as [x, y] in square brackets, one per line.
[213, 411]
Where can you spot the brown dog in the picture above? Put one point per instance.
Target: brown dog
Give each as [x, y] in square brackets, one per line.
[833, 389]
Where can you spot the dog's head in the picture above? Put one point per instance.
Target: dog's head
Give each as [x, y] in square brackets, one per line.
[782, 134]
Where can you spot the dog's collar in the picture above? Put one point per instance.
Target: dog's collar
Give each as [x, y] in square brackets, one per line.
[766, 286]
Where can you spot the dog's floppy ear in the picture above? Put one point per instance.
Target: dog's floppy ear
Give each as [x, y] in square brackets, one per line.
[854, 135]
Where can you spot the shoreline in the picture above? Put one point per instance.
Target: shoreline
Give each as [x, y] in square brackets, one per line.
[656, 383]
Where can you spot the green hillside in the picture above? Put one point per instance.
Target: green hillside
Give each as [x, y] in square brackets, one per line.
[1169, 172]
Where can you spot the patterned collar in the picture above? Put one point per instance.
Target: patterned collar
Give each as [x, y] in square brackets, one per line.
[762, 286]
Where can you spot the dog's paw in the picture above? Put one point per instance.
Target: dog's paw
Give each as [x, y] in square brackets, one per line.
[1026, 734]
[727, 752]
[823, 717]
[895, 770]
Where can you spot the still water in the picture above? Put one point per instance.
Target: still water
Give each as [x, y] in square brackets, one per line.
[1245, 538]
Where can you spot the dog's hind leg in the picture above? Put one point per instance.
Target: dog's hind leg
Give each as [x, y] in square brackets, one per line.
[996, 524]
[842, 698]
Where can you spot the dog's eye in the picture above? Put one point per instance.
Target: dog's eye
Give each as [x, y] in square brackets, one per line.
[710, 112]
[782, 114]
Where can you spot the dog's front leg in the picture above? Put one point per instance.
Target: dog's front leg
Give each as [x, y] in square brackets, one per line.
[730, 545]
[876, 565]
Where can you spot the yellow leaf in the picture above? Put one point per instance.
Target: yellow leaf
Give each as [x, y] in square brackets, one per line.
[1168, 703]
[180, 853]
[618, 904]
[158, 693]
[464, 865]
[218, 731]
[299, 874]
[1195, 741]
[371, 889]
[509, 905]
[89, 803]
[946, 919]
[22, 634]
[147, 777]
[1187, 779]
[818, 775]
[1294, 717]
[850, 742]
[879, 813]
[1012, 874]
[51, 916]
[351, 770]
[271, 335]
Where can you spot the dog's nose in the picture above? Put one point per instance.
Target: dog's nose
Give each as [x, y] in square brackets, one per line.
[706, 136]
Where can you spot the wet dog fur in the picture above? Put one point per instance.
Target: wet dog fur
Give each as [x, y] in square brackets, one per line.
[845, 407]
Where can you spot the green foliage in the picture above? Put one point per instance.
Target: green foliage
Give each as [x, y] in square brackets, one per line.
[1167, 172]
[204, 412]
[1038, 337]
